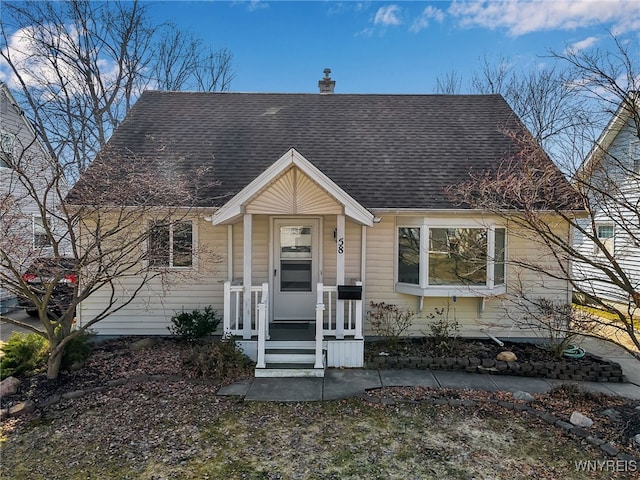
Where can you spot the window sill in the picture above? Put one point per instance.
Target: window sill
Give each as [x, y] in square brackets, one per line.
[159, 268]
[450, 290]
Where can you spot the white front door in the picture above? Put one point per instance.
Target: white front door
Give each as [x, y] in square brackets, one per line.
[295, 275]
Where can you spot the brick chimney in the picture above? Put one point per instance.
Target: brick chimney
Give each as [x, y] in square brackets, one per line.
[326, 85]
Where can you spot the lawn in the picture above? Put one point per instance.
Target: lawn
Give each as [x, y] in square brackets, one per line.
[162, 430]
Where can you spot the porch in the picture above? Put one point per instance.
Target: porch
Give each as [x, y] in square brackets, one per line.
[297, 348]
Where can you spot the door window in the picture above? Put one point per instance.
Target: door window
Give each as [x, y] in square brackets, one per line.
[295, 259]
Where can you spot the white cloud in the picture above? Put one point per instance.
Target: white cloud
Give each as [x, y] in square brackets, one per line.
[520, 17]
[428, 14]
[256, 5]
[582, 45]
[389, 15]
[31, 53]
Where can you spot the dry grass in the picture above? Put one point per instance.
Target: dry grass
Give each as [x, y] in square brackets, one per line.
[181, 430]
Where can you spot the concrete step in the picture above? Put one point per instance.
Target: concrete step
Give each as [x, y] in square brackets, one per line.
[290, 345]
[289, 357]
[277, 370]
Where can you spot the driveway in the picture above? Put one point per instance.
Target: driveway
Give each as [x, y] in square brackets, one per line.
[6, 328]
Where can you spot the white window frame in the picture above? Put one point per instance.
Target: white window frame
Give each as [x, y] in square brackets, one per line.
[634, 156]
[7, 137]
[424, 289]
[194, 236]
[34, 226]
[608, 242]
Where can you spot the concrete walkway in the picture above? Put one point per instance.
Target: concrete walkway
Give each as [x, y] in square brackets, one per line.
[345, 383]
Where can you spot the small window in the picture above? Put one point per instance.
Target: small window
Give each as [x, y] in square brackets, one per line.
[409, 255]
[7, 142]
[605, 235]
[634, 156]
[499, 256]
[40, 237]
[171, 245]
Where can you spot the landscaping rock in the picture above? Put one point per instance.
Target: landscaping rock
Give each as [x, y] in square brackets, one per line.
[525, 396]
[22, 408]
[580, 420]
[9, 386]
[506, 356]
[143, 344]
[637, 439]
[611, 414]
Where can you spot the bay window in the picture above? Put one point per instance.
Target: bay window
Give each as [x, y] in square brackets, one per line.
[465, 260]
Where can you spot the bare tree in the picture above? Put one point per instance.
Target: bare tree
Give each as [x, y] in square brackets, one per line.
[565, 106]
[530, 192]
[450, 84]
[543, 99]
[182, 63]
[76, 68]
[106, 235]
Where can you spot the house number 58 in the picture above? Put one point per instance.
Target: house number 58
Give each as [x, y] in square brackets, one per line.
[341, 246]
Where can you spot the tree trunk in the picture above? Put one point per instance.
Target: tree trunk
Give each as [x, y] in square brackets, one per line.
[53, 364]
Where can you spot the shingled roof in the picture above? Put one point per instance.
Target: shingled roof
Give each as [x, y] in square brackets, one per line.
[386, 151]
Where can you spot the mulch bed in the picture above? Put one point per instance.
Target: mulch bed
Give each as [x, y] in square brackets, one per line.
[109, 360]
[479, 356]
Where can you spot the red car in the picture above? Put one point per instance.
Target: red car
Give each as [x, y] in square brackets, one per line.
[44, 271]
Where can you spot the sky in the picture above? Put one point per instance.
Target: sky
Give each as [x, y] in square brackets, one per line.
[393, 47]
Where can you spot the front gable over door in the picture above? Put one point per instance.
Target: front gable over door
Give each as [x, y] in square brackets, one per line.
[292, 186]
[293, 193]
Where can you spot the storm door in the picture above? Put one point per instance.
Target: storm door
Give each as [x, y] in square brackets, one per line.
[295, 269]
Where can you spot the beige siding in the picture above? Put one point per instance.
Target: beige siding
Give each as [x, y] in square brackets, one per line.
[353, 251]
[151, 310]
[259, 250]
[472, 314]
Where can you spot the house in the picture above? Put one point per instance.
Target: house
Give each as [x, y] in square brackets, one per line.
[22, 230]
[610, 175]
[317, 205]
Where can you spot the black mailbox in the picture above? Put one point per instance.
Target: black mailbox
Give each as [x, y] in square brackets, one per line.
[349, 292]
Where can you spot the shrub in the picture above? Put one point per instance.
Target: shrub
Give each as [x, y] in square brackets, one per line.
[556, 322]
[191, 326]
[221, 359]
[23, 354]
[445, 334]
[389, 322]
[77, 350]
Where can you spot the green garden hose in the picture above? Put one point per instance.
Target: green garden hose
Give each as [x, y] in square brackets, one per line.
[573, 351]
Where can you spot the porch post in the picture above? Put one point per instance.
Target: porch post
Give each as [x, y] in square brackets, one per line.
[358, 308]
[247, 276]
[226, 312]
[319, 326]
[340, 253]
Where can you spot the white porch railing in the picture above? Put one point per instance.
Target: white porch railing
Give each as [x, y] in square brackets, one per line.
[263, 326]
[351, 324]
[328, 323]
[232, 317]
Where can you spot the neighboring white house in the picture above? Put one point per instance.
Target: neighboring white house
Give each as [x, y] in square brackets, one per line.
[21, 226]
[612, 173]
[317, 205]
